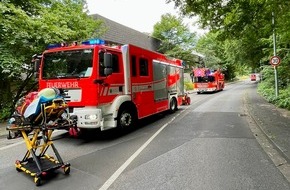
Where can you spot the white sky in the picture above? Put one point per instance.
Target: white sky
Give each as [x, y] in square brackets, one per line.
[140, 15]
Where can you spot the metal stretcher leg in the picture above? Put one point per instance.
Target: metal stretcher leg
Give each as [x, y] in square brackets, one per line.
[38, 165]
[36, 162]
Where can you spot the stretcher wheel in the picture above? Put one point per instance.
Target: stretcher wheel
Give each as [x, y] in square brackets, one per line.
[188, 101]
[37, 181]
[66, 170]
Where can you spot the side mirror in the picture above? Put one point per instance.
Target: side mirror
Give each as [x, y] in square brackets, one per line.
[108, 71]
[108, 61]
[36, 65]
[108, 64]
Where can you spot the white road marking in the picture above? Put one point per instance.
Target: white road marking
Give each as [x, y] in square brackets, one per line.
[117, 173]
[11, 145]
[21, 142]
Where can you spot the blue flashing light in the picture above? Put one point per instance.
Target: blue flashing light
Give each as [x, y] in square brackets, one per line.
[51, 46]
[94, 42]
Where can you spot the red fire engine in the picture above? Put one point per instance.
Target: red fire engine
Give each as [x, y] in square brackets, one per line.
[108, 86]
[253, 77]
[205, 80]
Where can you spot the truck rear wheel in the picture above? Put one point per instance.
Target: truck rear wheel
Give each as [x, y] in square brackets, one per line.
[173, 105]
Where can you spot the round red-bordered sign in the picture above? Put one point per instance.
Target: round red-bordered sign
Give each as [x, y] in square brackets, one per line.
[275, 60]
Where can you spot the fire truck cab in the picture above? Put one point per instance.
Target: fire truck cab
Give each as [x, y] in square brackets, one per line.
[206, 80]
[106, 87]
[253, 77]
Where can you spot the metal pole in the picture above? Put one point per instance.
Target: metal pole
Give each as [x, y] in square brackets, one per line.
[261, 71]
[274, 46]
[276, 82]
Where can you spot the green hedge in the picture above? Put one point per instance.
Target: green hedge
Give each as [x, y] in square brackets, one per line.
[266, 88]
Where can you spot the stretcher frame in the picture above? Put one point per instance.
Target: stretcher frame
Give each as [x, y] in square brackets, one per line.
[36, 162]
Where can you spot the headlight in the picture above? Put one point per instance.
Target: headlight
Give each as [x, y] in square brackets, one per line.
[91, 117]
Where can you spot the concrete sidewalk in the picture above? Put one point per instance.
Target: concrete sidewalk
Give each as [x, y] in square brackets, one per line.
[274, 122]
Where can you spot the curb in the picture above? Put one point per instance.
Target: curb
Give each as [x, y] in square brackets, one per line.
[3, 131]
[280, 151]
[272, 142]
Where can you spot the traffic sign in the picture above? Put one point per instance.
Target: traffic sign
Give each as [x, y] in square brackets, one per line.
[275, 60]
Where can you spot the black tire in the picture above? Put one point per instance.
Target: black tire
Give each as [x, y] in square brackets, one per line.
[173, 105]
[126, 118]
[37, 181]
[188, 100]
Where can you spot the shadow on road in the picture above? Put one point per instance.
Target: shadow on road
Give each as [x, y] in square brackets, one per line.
[91, 135]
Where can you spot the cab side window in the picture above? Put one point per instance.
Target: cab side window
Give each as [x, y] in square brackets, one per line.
[115, 59]
[134, 66]
[143, 63]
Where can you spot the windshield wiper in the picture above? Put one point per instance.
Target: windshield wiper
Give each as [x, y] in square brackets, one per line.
[68, 76]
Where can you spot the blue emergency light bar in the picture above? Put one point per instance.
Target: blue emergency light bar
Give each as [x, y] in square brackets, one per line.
[51, 46]
[95, 41]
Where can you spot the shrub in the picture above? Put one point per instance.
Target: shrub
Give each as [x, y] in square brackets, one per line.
[188, 85]
[267, 89]
[4, 114]
[284, 98]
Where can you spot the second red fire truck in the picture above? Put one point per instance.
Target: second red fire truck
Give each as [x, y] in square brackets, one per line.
[206, 80]
[108, 86]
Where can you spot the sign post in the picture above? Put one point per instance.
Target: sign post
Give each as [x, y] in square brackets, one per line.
[275, 61]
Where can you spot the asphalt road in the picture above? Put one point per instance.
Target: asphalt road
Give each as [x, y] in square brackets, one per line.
[210, 144]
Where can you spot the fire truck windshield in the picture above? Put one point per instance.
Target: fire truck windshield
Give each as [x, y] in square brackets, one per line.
[204, 79]
[67, 64]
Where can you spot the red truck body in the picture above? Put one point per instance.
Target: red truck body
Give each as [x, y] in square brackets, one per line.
[109, 86]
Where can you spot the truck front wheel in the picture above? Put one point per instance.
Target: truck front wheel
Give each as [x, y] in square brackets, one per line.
[126, 118]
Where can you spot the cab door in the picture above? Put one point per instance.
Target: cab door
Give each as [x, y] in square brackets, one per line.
[142, 85]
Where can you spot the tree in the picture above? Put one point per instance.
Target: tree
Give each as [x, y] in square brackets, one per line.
[246, 28]
[214, 54]
[26, 27]
[250, 22]
[209, 47]
[176, 38]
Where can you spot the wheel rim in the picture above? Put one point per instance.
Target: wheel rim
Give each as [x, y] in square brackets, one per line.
[125, 119]
[173, 105]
